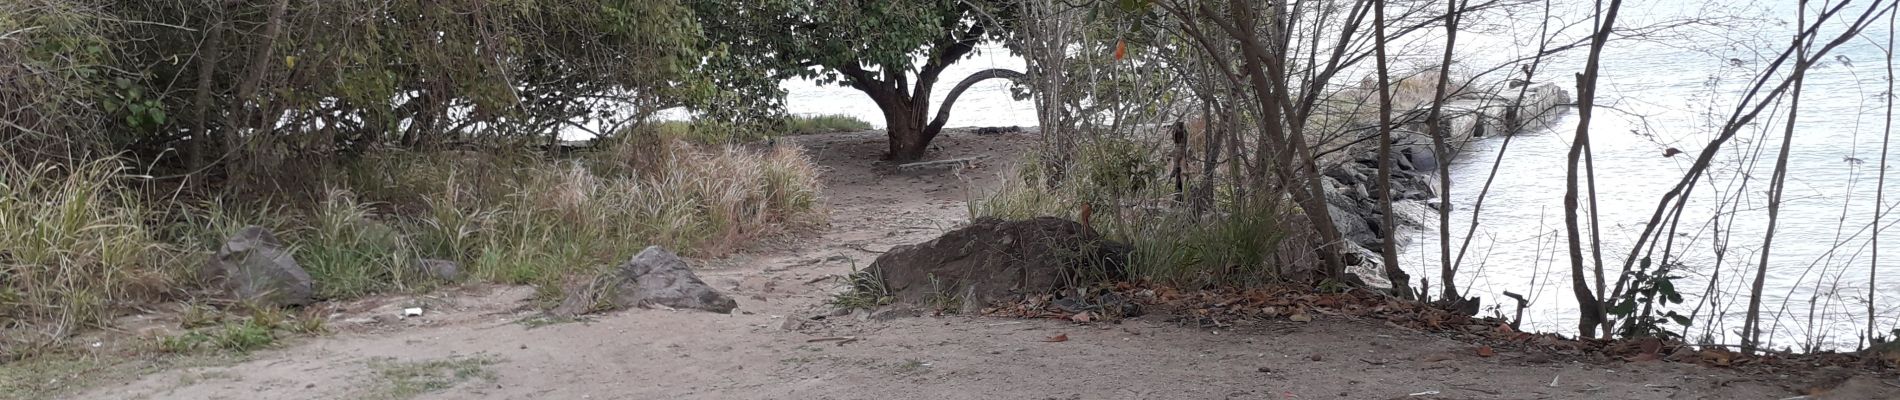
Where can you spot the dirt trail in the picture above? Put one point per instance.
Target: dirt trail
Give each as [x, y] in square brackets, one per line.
[766, 350]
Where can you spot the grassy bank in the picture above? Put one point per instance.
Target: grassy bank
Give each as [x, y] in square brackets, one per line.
[86, 243]
[706, 131]
[832, 123]
[1132, 201]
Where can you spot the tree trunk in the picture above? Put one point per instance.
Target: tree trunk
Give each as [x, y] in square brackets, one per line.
[1437, 129]
[908, 136]
[203, 146]
[1388, 229]
[254, 76]
[1588, 305]
[909, 132]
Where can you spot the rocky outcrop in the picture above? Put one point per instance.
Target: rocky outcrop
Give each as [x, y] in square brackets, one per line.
[655, 277]
[1353, 193]
[254, 268]
[993, 261]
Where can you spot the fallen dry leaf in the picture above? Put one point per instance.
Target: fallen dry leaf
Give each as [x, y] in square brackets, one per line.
[1485, 351]
[1060, 337]
[1080, 317]
[1300, 317]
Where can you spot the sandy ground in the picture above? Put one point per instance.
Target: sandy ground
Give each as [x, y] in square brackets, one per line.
[773, 348]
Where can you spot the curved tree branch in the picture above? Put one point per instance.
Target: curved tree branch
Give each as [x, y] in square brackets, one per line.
[943, 111]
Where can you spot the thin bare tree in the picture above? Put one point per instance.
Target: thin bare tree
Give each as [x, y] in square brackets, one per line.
[1388, 240]
[1587, 303]
[1436, 127]
[1880, 183]
[1751, 326]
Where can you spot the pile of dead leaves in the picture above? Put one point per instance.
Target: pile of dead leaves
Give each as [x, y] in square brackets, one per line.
[1219, 308]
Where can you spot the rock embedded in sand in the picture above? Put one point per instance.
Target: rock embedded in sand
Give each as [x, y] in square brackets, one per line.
[994, 261]
[655, 277]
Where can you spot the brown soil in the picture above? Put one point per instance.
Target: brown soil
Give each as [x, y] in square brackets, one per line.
[774, 348]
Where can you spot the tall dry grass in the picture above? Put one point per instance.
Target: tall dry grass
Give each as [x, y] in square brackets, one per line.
[78, 246]
[72, 249]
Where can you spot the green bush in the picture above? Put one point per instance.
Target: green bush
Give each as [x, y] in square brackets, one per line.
[1132, 202]
[830, 123]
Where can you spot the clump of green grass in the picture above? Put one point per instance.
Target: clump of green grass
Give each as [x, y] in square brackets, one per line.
[350, 252]
[407, 379]
[829, 123]
[237, 337]
[864, 289]
[262, 328]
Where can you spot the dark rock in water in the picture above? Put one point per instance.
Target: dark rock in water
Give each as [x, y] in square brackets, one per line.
[444, 270]
[254, 267]
[655, 277]
[993, 261]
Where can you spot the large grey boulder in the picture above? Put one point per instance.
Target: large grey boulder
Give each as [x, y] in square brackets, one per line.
[253, 266]
[655, 277]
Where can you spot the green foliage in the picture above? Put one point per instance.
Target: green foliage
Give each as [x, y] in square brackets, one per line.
[1132, 203]
[893, 51]
[805, 125]
[57, 62]
[257, 86]
[1118, 167]
[714, 131]
[789, 37]
[1641, 312]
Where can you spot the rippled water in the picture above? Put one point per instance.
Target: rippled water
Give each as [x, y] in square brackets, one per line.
[1665, 93]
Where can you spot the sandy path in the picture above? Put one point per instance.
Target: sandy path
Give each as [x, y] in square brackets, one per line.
[757, 354]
